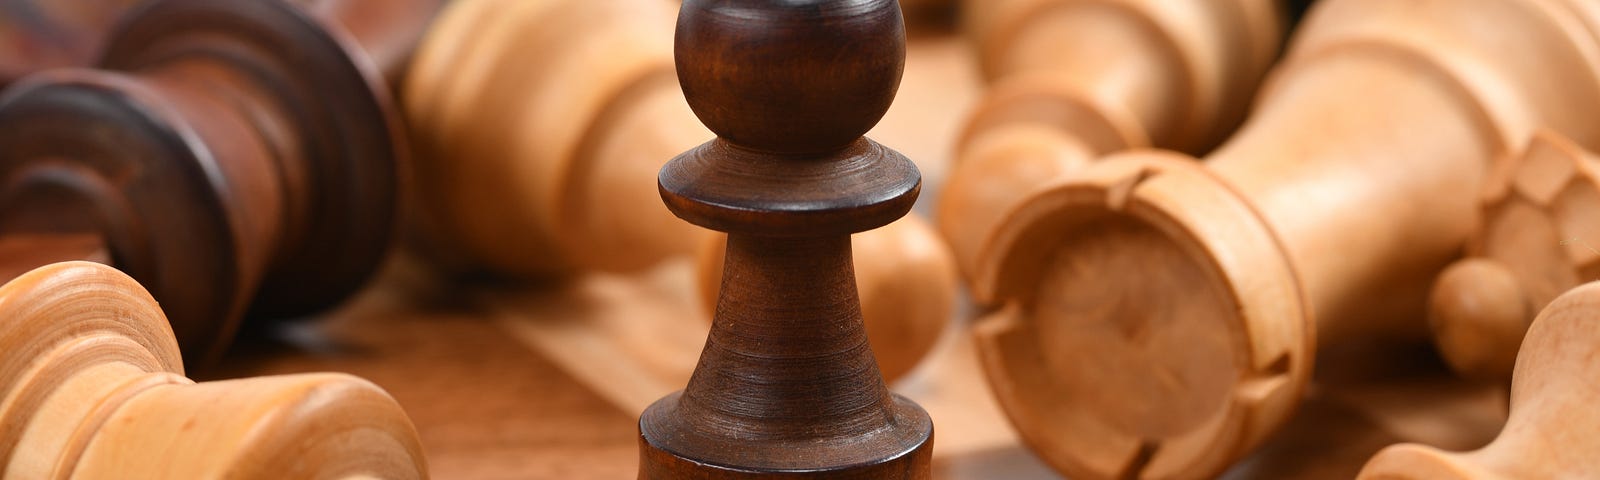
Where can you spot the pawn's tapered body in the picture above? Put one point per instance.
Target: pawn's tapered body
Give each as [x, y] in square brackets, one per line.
[787, 385]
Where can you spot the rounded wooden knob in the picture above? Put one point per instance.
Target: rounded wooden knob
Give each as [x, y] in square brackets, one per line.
[91, 386]
[907, 280]
[1478, 316]
[1550, 432]
[1536, 240]
[795, 77]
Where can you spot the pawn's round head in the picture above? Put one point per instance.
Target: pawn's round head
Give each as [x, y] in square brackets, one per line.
[790, 76]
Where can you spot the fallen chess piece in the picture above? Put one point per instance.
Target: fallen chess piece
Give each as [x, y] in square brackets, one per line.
[92, 387]
[1537, 240]
[1551, 430]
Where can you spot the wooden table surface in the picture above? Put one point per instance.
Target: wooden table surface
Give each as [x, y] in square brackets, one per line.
[546, 380]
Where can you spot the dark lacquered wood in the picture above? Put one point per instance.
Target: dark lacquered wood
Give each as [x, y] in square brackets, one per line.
[229, 153]
[787, 385]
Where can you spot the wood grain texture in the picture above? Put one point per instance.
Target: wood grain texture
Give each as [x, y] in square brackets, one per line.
[787, 385]
[1075, 80]
[1178, 307]
[91, 387]
[1534, 243]
[1550, 433]
[232, 155]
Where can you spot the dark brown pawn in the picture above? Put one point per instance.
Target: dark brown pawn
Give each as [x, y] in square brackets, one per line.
[787, 385]
[225, 153]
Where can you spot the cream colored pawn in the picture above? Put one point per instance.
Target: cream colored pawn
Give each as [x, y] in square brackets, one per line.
[92, 387]
[1073, 80]
[1159, 316]
[1551, 431]
[1539, 237]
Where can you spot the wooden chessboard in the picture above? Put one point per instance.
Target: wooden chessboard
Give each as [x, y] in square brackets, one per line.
[547, 380]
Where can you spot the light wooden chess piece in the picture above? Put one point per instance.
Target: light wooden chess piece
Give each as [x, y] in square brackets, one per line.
[238, 157]
[786, 386]
[1074, 80]
[542, 126]
[1551, 430]
[907, 281]
[1159, 316]
[91, 387]
[1537, 239]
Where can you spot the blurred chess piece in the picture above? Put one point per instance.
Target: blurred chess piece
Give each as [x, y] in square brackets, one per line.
[1551, 430]
[37, 35]
[1537, 239]
[540, 125]
[1074, 80]
[1159, 315]
[43, 34]
[91, 387]
[234, 156]
[787, 385]
[907, 281]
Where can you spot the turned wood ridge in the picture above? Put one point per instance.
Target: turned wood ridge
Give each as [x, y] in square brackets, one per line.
[1551, 430]
[236, 157]
[787, 385]
[1159, 316]
[1538, 238]
[92, 387]
[1074, 80]
[541, 126]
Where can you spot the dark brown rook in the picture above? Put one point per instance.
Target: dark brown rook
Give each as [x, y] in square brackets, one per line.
[233, 156]
[787, 385]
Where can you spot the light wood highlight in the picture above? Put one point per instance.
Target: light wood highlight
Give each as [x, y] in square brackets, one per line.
[1074, 80]
[92, 386]
[1551, 431]
[1159, 317]
[1537, 240]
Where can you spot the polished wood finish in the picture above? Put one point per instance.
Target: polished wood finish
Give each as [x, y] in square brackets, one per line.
[540, 126]
[787, 385]
[1159, 317]
[907, 283]
[43, 34]
[233, 156]
[1537, 240]
[1074, 80]
[91, 386]
[1551, 431]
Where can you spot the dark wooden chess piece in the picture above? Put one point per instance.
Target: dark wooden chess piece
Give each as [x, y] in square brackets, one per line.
[233, 156]
[787, 385]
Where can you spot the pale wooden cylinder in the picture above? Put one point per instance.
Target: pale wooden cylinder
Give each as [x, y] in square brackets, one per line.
[92, 386]
[1177, 307]
[1551, 430]
[1074, 80]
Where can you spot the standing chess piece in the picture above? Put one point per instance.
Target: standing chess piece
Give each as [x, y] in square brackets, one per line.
[1551, 430]
[907, 281]
[1538, 239]
[234, 156]
[787, 385]
[91, 387]
[1074, 80]
[1160, 314]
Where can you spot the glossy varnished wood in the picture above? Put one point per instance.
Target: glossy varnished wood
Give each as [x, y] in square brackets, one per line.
[1551, 430]
[787, 385]
[1159, 318]
[1537, 240]
[91, 386]
[234, 156]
